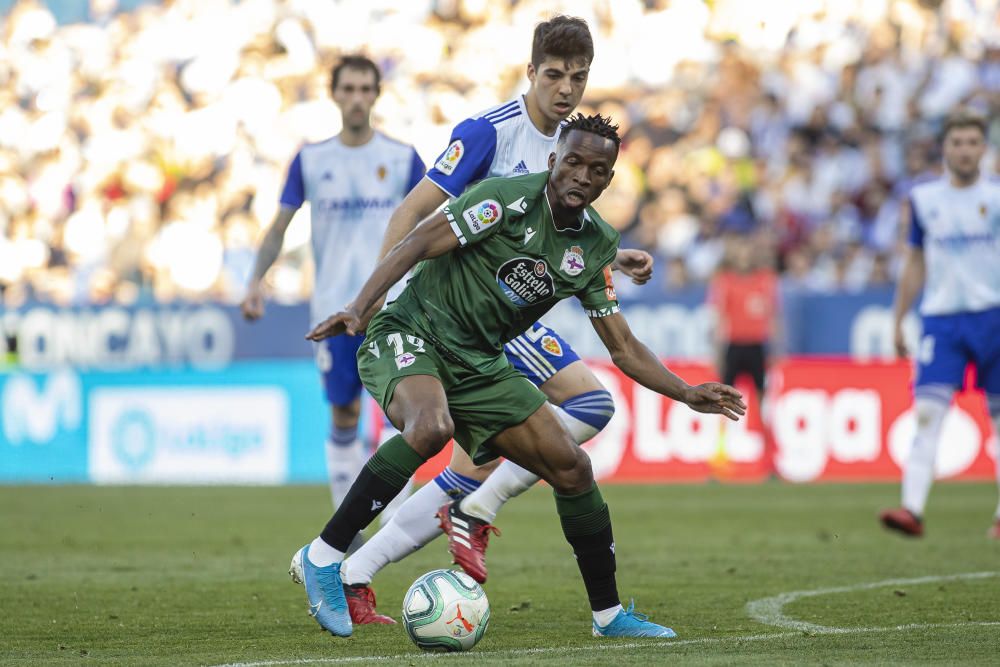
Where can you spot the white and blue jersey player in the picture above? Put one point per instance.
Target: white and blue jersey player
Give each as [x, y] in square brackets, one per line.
[353, 182]
[954, 254]
[509, 139]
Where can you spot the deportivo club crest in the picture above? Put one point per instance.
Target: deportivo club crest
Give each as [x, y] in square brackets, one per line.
[572, 261]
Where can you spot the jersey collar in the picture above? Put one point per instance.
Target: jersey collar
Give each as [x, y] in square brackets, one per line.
[583, 218]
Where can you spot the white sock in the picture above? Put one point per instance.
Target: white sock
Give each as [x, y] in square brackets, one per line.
[390, 510]
[413, 526]
[605, 616]
[510, 480]
[918, 473]
[322, 554]
[507, 481]
[343, 464]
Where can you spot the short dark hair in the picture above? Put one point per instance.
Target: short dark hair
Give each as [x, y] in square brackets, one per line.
[963, 117]
[565, 37]
[355, 62]
[596, 124]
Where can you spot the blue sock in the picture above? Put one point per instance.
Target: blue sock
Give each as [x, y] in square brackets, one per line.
[455, 485]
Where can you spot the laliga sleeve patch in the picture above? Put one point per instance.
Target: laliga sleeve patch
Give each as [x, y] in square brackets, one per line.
[482, 215]
[452, 156]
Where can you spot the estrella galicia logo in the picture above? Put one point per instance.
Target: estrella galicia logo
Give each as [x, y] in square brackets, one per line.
[525, 281]
[133, 439]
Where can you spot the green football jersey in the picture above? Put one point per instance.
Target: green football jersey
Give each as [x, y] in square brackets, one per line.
[512, 266]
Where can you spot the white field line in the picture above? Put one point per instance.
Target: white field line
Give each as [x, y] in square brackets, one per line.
[770, 611]
[598, 647]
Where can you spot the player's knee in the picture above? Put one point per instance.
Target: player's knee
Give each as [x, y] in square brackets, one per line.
[430, 432]
[575, 475]
[591, 412]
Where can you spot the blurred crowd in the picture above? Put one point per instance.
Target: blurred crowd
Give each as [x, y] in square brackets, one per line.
[142, 153]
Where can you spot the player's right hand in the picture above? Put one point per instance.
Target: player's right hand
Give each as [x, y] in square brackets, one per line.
[252, 305]
[716, 398]
[346, 321]
[900, 343]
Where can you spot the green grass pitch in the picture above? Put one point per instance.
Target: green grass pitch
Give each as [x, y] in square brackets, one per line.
[197, 576]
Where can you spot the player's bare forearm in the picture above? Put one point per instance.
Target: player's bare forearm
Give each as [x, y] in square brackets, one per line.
[270, 245]
[639, 363]
[911, 280]
[636, 360]
[431, 238]
[419, 203]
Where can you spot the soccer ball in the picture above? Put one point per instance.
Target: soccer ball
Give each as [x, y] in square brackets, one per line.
[446, 610]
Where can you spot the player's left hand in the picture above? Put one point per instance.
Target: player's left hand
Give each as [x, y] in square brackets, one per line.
[716, 398]
[636, 264]
[346, 321]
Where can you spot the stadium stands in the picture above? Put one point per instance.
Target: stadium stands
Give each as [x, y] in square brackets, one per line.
[141, 152]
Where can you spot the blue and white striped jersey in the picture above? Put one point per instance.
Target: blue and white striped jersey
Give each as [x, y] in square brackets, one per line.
[959, 231]
[501, 141]
[352, 191]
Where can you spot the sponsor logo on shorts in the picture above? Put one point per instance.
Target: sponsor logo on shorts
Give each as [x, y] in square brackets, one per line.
[525, 281]
[552, 346]
[452, 156]
[572, 261]
[404, 360]
[482, 215]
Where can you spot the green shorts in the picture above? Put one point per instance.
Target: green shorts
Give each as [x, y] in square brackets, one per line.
[483, 401]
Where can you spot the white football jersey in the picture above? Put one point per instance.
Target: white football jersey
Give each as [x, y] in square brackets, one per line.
[501, 141]
[352, 191]
[959, 231]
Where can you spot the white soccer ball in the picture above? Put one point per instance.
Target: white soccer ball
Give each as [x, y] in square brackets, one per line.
[445, 610]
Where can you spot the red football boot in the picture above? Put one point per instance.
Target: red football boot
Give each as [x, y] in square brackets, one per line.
[361, 603]
[468, 538]
[994, 531]
[903, 521]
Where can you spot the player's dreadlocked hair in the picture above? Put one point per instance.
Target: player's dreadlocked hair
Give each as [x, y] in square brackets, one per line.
[596, 124]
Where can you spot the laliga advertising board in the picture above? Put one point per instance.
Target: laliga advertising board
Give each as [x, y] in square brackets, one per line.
[829, 420]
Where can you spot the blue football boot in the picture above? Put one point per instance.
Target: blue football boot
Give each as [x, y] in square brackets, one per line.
[327, 603]
[630, 623]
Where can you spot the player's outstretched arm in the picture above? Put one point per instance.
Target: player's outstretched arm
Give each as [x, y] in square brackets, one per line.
[431, 238]
[420, 202]
[639, 363]
[636, 264]
[911, 280]
[252, 306]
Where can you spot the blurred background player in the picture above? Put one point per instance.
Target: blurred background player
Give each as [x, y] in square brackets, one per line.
[954, 255]
[511, 139]
[352, 181]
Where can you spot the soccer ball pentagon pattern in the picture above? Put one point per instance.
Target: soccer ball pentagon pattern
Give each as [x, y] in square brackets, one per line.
[445, 610]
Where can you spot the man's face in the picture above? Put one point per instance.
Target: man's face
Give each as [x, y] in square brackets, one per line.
[963, 150]
[582, 167]
[355, 95]
[558, 86]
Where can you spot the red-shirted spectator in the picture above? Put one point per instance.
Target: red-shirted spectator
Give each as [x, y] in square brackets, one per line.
[745, 295]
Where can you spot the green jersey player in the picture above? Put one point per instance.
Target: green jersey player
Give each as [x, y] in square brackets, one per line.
[434, 358]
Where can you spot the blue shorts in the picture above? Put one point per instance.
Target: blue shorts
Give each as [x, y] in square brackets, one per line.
[539, 353]
[337, 359]
[950, 342]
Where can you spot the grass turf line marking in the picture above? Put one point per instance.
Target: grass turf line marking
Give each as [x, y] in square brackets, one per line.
[770, 611]
[516, 653]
